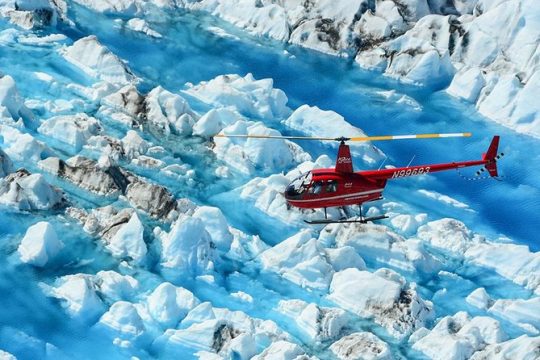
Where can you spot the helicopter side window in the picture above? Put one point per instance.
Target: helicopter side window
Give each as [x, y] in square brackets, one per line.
[331, 186]
[299, 185]
[316, 187]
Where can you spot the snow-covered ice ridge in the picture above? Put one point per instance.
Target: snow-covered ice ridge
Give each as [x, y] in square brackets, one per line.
[486, 50]
[106, 229]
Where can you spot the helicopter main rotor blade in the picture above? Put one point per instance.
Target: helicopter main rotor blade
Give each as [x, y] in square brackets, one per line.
[416, 136]
[275, 137]
[358, 138]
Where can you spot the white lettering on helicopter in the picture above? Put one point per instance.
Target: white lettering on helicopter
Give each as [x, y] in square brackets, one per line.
[411, 172]
[344, 160]
[348, 185]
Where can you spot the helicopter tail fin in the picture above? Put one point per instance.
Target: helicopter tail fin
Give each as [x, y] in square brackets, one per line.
[344, 160]
[491, 157]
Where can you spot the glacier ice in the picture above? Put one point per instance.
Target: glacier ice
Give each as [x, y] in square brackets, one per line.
[73, 130]
[386, 298]
[459, 336]
[142, 26]
[78, 295]
[166, 112]
[187, 248]
[169, 304]
[6, 165]
[182, 245]
[425, 42]
[313, 121]
[40, 244]
[97, 61]
[128, 242]
[11, 104]
[26, 191]
[317, 323]
[522, 347]
[361, 345]
[21, 146]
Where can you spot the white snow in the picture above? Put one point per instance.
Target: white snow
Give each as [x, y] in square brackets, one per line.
[168, 113]
[523, 347]
[133, 144]
[427, 41]
[74, 130]
[250, 97]
[377, 243]
[128, 242]
[312, 121]
[11, 103]
[467, 84]
[522, 267]
[215, 120]
[301, 260]
[123, 318]
[26, 191]
[186, 249]
[245, 247]
[4, 355]
[40, 244]
[453, 236]
[317, 323]
[215, 223]
[448, 234]
[140, 25]
[383, 296]
[114, 287]
[79, 296]
[220, 331]
[124, 7]
[249, 155]
[361, 345]
[344, 257]
[97, 61]
[22, 146]
[520, 312]
[126, 100]
[400, 98]
[501, 47]
[6, 165]
[459, 336]
[282, 350]
[169, 304]
[479, 298]
[490, 48]
[269, 20]
[445, 199]
[407, 224]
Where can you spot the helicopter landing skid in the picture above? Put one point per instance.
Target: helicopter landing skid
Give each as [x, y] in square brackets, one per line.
[346, 221]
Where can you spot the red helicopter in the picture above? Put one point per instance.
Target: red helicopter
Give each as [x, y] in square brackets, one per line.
[342, 186]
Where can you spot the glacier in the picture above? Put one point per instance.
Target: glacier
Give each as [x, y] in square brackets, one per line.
[126, 231]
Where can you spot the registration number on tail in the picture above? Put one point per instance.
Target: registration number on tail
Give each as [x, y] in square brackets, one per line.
[410, 172]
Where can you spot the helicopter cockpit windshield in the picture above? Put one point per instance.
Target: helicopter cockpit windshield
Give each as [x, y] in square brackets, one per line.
[299, 185]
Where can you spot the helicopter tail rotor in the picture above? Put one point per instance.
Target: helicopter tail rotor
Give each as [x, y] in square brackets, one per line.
[491, 157]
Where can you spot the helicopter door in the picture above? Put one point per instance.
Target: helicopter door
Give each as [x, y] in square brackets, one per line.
[316, 187]
[331, 186]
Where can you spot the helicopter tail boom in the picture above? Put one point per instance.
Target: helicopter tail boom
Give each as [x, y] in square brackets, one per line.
[488, 161]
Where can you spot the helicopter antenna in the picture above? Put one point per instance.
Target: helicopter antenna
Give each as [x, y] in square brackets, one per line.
[343, 139]
[383, 162]
[410, 162]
